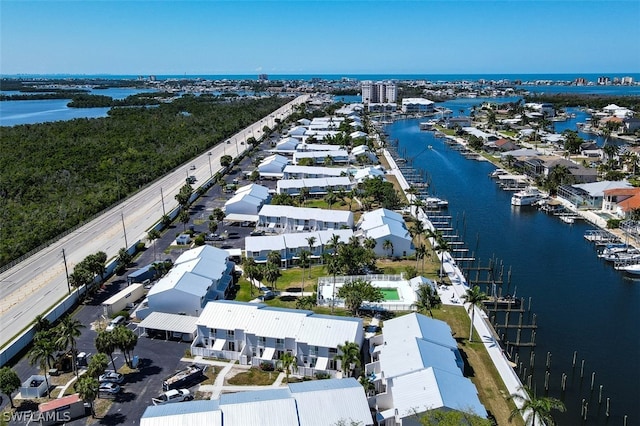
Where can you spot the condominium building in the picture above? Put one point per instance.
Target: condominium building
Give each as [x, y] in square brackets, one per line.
[379, 92]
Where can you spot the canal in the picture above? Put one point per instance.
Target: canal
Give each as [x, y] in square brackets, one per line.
[582, 304]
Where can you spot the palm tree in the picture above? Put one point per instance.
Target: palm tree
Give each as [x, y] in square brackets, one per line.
[304, 194]
[349, 357]
[87, 387]
[304, 263]
[184, 217]
[152, 236]
[306, 302]
[271, 274]
[474, 297]
[330, 198]
[388, 246]
[426, 299]
[334, 265]
[126, 340]
[418, 230]
[68, 330]
[106, 344]
[311, 241]
[421, 252]
[42, 353]
[535, 409]
[288, 362]
[249, 267]
[274, 258]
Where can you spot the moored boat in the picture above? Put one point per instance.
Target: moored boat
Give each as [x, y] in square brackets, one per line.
[526, 197]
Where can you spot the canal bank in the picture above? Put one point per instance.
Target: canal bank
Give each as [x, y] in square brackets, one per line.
[585, 309]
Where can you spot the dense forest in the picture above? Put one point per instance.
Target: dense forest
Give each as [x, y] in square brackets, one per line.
[563, 100]
[54, 176]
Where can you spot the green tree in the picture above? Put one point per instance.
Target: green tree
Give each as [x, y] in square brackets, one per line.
[42, 353]
[330, 198]
[274, 258]
[288, 362]
[534, 409]
[126, 340]
[387, 245]
[226, 160]
[68, 330]
[106, 343]
[271, 274]
[96, 264]
[306, 302]
[427, 298]
[349, 357]
[355, 292]
[184, 218]
[311, 241]
[97, 365]
[304, 262]
[474, 297]
[87, 388]
[9, 383]
[184, 195]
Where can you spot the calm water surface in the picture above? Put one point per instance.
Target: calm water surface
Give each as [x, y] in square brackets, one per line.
[582, 304]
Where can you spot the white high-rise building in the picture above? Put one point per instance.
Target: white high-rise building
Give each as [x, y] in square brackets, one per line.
[378, 92]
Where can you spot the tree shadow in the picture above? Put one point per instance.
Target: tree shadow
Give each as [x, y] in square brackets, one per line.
[113, 419]
[288, 298]
[468, 370]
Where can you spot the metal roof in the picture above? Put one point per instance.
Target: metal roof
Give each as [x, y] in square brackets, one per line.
[190, 413]
[270, 210]
[170, 322]
[327, 402]
[259, 408]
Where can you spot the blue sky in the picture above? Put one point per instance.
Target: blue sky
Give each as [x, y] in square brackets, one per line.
[327, 37]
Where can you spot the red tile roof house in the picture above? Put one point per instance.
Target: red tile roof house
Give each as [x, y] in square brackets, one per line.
[621, 201]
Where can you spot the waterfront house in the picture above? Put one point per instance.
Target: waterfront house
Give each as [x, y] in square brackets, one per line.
[339, 156]
[460, 121]
[621, 202]
[368, 173]
[198, 276]
[303, 172]
[317, 186]
[542, 165]
[309, 403]
[247, 200]
[316, 147]
[417, 106]
[363, 151]
[283, 219]
[291, 245]
[416, 367]
[272, 166]
[254, 333]
[591, 195]
[384, 226]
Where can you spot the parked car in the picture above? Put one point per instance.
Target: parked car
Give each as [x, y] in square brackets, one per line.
[173, 395]
[193, 167]
[109, 388]
[111, 376]
[256, 233]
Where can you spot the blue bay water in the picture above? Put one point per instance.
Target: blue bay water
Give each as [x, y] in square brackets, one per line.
[582, 304]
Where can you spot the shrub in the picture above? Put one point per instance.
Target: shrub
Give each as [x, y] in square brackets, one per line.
[266, 366]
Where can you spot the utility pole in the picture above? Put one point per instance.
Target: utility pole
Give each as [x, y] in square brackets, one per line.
[66, 270]
[164, 213]
[125, 231]
[210, 169]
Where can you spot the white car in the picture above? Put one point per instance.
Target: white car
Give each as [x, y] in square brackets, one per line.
[111, 376]
[109, 387]
[173, 395]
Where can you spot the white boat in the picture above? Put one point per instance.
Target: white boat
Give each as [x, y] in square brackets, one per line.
[633, 269]
[567, 219]
[498, 172]
[427, 125]
[526, 197]
[435, 203]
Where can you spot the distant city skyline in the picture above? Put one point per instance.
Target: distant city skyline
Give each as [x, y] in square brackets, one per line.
[308, 37]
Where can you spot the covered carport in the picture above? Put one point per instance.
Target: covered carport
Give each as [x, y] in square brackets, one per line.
[238, 217]
[169, 326]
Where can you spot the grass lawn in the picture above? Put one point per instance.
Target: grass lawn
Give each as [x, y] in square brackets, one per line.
[253, 377]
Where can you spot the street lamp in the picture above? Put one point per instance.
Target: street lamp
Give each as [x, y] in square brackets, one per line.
[210, 169]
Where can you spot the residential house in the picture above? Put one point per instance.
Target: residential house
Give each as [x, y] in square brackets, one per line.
[368, 173]
[304, 172]
[291, 245]
[460, 121]
[297, 404]
[621, 202]
[542, 165]
[591, 195]
[248, 200]
[339, 156]
[254, 333]
[283, 219]
[364, 151]
[417, 105]
[272, 166]
[316, 186]
[286, 146]
[416, 367]
[198, 276]
[387, 226]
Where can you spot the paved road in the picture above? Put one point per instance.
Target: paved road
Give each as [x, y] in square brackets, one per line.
[32, 286]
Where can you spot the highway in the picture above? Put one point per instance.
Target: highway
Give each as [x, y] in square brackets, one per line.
[33, 286]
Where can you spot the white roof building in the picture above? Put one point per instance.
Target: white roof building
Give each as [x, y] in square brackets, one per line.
[358, 134]
[290, 245]
[253, 333]
[413, 105]
[316, 186]
[283, 219]
[320, 157]
[311, 403]
[287, 145]
[273, 166]
[198, 276]
[292, 171]
[368, 173]
[385, 225]
[310, 147]
[416, 367]
[247, 200]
